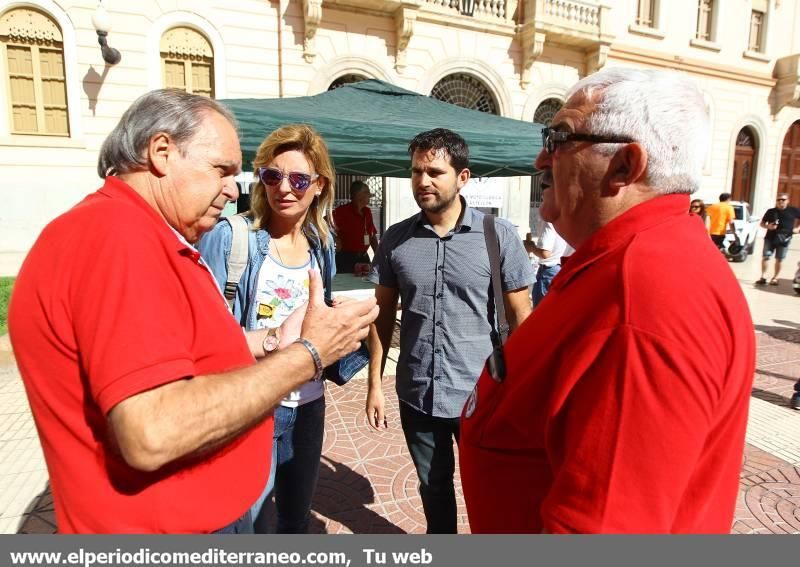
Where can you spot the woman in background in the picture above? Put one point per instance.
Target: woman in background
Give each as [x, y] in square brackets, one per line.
[698, 207]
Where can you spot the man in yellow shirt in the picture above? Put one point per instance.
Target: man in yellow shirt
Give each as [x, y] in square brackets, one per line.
[721, 216]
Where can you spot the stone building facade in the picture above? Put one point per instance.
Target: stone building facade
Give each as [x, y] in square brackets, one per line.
[517, 58]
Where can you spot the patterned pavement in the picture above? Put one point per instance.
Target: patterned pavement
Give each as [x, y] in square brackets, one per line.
[367, 481]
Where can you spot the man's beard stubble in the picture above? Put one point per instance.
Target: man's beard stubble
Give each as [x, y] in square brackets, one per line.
[439, 205]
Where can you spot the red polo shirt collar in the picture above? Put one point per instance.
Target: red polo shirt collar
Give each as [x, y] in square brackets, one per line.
[116, 188]
[620, 231]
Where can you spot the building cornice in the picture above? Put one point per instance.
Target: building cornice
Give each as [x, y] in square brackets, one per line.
[696, 66]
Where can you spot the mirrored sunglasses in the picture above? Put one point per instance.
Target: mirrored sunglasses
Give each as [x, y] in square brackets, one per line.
[298, 181]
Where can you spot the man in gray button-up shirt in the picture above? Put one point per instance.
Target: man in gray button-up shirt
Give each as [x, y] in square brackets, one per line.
[437, 263]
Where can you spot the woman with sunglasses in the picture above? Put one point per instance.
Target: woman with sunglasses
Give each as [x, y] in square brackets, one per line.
[288, 234]
[698, 207]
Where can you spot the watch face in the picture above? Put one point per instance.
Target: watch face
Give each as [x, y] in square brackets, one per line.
[270, 343]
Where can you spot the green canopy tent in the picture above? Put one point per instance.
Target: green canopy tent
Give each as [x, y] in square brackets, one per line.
[368, 125]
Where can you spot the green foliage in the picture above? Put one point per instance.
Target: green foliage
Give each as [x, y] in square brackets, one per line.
[5, 295]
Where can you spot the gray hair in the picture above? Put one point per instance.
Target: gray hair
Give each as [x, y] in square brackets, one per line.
[662, 110]
[357, 187]
[171, 111]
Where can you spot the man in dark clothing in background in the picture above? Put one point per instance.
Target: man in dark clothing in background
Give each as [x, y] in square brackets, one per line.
[780, 223]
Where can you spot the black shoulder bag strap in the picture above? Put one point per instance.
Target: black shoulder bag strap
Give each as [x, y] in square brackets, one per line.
[321, 254]
[496, 361]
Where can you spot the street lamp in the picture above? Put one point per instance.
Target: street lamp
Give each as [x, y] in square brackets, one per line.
[467, 7]
[102, 25]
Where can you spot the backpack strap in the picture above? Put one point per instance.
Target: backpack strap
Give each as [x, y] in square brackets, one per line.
[237, 258]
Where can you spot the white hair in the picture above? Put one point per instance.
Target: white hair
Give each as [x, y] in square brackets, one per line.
[662, 110]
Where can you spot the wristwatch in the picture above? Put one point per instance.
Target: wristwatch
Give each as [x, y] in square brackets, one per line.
[272, 340]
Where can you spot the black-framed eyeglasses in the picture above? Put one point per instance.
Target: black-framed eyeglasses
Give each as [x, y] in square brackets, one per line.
[552, 138]
[782, 199]
[298, 181]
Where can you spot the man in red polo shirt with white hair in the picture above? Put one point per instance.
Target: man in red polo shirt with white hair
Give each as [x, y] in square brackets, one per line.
[624, 404]
[152, 413]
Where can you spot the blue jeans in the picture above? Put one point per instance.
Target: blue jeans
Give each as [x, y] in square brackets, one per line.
[242, 525]
[296, 450]
[430, 442]
[544, 277]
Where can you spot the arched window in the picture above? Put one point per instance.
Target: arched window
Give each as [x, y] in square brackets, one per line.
[187, 61]
[466, 91]
[33, 49]
[346, 80]
[745, 138]
[546, 111]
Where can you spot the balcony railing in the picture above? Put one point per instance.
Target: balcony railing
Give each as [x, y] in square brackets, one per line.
[480, 9]
[577, 23]
[500, 9]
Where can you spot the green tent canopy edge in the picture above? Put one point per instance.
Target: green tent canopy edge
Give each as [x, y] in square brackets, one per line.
[368, 125]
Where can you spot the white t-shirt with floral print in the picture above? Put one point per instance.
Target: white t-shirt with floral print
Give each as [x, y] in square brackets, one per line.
[280, 290]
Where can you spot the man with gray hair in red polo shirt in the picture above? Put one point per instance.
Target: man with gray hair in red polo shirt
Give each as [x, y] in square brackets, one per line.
[153, 415]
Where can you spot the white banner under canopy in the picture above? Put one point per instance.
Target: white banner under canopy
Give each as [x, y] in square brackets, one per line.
[487, 192]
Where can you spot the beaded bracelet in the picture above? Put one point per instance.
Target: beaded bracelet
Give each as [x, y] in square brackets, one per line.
[312, 350]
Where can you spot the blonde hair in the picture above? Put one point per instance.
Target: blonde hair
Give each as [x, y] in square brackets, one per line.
[306, 140]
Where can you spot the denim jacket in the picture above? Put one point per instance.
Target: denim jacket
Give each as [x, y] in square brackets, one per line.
[215, 247]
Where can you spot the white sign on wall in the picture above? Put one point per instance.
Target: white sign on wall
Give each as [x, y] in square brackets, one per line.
[488, 192]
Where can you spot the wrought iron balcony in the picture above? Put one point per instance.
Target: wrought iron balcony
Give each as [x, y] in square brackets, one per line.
[498, 9]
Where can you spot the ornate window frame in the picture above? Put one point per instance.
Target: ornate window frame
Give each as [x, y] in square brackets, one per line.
[542, 93]
[345, 65]
[185, 19]
[53, 11]
[187, 47]
[471, 87]
[477, 68]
